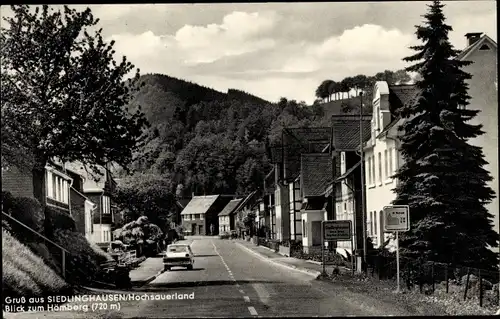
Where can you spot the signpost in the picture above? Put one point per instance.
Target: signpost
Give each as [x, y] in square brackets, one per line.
[335, 230]
[396, 219]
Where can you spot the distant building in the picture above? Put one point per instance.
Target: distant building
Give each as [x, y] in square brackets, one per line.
[226, 216]
[201, 214]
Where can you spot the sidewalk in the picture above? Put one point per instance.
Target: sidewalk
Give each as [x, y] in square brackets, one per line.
[147, 271]
[308, 266]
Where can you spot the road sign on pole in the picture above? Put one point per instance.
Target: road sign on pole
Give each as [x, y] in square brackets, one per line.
[335, 230]
[396, 219]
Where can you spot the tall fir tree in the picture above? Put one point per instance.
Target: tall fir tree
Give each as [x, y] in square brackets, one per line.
[442, 179]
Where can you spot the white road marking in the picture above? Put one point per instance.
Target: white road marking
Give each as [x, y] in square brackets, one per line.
[252, 310]
[262, 293]
[224, 262]
[247, 299]
[242, 291]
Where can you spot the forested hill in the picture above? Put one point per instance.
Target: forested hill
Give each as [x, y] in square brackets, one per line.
[211, 142]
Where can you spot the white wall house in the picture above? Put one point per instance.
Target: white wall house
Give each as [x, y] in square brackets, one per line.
[295, 213]
[382, 157]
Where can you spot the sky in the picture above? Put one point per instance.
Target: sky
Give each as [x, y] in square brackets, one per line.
[275, 50]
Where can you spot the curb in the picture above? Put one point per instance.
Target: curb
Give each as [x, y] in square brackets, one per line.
[146, 281]
[304, 270]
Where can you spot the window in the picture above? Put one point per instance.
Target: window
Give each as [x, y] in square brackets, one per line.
[202, 216]
[386, 165]
[345, 206]
[57, 187]
[106, 207]
[391, 171]
[373, 169]
[371, 223]
[197, 216]
[304, 228]
[369, 164]
[379, 167]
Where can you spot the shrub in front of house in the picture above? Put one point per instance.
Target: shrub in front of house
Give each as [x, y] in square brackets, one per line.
[24, 274]
[58, 220]
[26, 210]
[85, 258]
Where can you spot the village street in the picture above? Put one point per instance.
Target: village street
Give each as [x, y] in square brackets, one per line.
[230, 281]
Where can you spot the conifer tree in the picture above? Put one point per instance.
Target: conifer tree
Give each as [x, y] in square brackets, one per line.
[442, 178]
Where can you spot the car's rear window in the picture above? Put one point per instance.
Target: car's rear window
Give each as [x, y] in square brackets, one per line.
[177, 249]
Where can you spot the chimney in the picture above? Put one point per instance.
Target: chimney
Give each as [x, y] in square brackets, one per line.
[473, 37]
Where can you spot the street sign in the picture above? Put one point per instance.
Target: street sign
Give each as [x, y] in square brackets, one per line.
[396, 218]
[337, 230]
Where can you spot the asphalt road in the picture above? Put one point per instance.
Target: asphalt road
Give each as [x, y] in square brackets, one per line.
[228, 281]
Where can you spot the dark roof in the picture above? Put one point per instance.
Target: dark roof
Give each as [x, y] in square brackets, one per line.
[244, 202]
[399, 96]
[230, 207]
[469, 48]
[199, 204]
[346, 131]
[348, 172]
[316, 173]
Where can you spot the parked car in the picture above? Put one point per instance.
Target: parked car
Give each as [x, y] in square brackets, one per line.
[178, 255]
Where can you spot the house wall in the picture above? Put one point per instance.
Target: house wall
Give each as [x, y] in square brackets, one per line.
[102, 213]
[78, 211]
[311, 237]
[89, 227]
[295, 211]
[17, 182]
[195, 220]
[379, 185]
[224, 224]
[102, 234]
[484, 97]
[282, 213]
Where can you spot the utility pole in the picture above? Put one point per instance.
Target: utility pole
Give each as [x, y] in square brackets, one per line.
[363, 210]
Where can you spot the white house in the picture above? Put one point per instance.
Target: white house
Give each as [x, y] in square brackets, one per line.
[382, 157]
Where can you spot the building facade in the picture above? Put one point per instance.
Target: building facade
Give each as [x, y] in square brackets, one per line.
[382, 156]
[481, 50]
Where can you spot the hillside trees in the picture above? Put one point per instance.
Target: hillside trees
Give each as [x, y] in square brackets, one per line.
[63, 94]
[443, 178]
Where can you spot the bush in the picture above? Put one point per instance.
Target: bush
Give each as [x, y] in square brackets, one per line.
[85, 258]
[24, 273]
[27, 211]
[57, 220]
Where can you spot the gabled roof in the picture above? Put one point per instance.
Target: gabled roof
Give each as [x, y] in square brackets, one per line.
[346, 132]
[471, 48]
[316, 173]
[199, 204]
[244, 202]
[230, 207]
